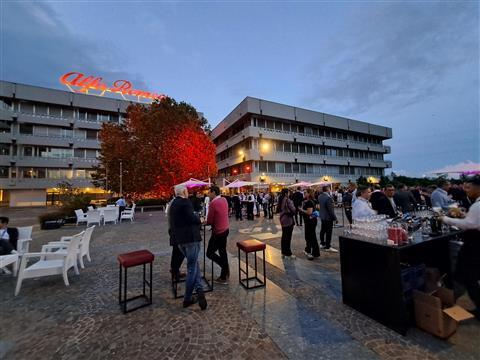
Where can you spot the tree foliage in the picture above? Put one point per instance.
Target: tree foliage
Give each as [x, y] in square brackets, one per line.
[158, 145]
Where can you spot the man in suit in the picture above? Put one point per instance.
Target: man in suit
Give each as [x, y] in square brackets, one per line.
[404, 199]
[297, 199]
[384, 203]
[8, 237]
[328, 217]
[185, 234]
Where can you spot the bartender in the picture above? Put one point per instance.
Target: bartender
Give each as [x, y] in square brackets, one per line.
[468, 262]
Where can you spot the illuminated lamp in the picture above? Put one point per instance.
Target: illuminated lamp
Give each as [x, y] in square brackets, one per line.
[234, 171]
[240, 153]
[247, 168]
[265, 146]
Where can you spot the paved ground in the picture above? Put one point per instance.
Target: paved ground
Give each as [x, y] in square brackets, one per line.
[299, 315]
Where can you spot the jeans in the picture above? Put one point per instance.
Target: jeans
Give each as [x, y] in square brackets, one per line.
[193, 281]
[286, 240]
[219, 242]
[326, 231]
[176, 261]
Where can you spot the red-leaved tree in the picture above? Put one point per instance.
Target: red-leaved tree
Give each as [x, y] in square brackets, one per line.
[158, 145]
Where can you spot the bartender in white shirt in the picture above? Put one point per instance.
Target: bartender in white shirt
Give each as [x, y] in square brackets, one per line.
[468, 261]
[362, 208]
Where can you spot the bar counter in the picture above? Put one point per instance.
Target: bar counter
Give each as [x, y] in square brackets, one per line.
[372, 275]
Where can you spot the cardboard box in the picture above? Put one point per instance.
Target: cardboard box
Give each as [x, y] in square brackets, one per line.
[437, 314]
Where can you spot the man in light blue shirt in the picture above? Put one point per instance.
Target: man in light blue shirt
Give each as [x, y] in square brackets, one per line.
[121, 206]
[440, 196]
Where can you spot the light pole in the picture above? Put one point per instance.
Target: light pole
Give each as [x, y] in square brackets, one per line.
[121, 177]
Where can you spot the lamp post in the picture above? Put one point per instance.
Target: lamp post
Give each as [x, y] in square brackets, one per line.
[121, 177]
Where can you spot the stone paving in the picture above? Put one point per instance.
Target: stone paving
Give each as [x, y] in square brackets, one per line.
[299, 314]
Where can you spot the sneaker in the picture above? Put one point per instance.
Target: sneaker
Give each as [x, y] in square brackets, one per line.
[202, 302]
[187, 303]
[332, 250]
[310, 257]
[306, 252]
[221, 281]
[322, 247]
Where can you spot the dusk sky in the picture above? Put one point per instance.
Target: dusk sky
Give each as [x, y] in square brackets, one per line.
[412, 66]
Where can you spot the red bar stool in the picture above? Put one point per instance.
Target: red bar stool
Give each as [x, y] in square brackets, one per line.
[249, 246]
[131, 259]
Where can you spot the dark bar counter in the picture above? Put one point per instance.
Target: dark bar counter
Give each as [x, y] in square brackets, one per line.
[372, 275]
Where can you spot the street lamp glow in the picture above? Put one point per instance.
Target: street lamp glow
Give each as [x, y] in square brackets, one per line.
[240, 153]
[265, 146]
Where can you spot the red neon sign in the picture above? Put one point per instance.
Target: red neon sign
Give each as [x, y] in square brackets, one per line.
[78, 82]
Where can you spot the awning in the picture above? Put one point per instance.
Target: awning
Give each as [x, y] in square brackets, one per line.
[193, 183]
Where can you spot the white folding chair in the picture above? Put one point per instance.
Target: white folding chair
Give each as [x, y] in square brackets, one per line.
[90, 208]
[81, 216]
[110, 215]
[50, 263]
[24, 238]
[94, 217]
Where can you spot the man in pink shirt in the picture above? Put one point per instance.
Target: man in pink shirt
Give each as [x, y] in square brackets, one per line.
[218, 218]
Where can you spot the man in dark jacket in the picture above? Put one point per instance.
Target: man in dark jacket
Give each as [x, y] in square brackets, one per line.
[328, 217]
[404, 199]
[185, 234]
[8, 237]
[297, 199]
[383, 203]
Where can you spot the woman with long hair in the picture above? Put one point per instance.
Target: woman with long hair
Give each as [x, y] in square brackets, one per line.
[287, 212]
[312, 249]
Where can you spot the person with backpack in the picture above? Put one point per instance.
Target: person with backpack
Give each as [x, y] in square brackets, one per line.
[286, 210]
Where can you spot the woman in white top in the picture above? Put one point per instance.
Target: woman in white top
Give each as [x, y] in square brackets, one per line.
[362, 208]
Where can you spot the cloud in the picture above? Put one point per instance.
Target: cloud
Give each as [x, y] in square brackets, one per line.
[395, 53]
[37, 46]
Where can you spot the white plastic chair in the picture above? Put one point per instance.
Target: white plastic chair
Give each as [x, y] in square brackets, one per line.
[90, 208]
[81, 216]
[84, 246]
[24, 238]
[9, 259]
[93, 217]
[50, 263]
[128, 214]
[110, 215]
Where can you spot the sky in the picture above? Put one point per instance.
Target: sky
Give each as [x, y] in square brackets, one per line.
[412, 65]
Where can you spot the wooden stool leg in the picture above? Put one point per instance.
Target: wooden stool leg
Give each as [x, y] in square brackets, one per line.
[144, 279]
[239, 268]
[120, 286]
[255, 256]
[264, 271]
[125, 293]
[151, 286]
[248, 286]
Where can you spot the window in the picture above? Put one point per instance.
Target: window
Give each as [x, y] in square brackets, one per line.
[41, 130]
[67, 113]
[92, 134]
[41, 110]
[278, 125]
[80, 153]
[301, 148]
[287, 147]
[115, 118]
[262, 166]
[4, 149]
[92, 116]
[301, 129]
[80, 134]
[3, 172]
[279, 167]
[91, 154]
[4, 127]
[55, 111]
[82, 114]
[308, 130]
[316, 149]
[303, 168]
[26, 129]
[104, 117]
[295, 168]
[309, 168]
[80, 174]
[295, 148]
[261, 123]
[309, 149]
[287, 127]
[26, 107]
[270, 124]
[288, 168]
[271, 166]
[28, 151]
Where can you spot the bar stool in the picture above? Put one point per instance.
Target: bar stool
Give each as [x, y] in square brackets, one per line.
[131, 259]
[249, 246]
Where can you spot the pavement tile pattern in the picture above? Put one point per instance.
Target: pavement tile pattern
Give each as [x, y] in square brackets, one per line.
[299, 314]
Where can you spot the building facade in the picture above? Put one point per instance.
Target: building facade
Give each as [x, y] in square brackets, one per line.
[48, 136]
[267, 142]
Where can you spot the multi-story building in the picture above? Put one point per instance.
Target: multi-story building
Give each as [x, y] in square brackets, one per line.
[263, 141]
[48, 136]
